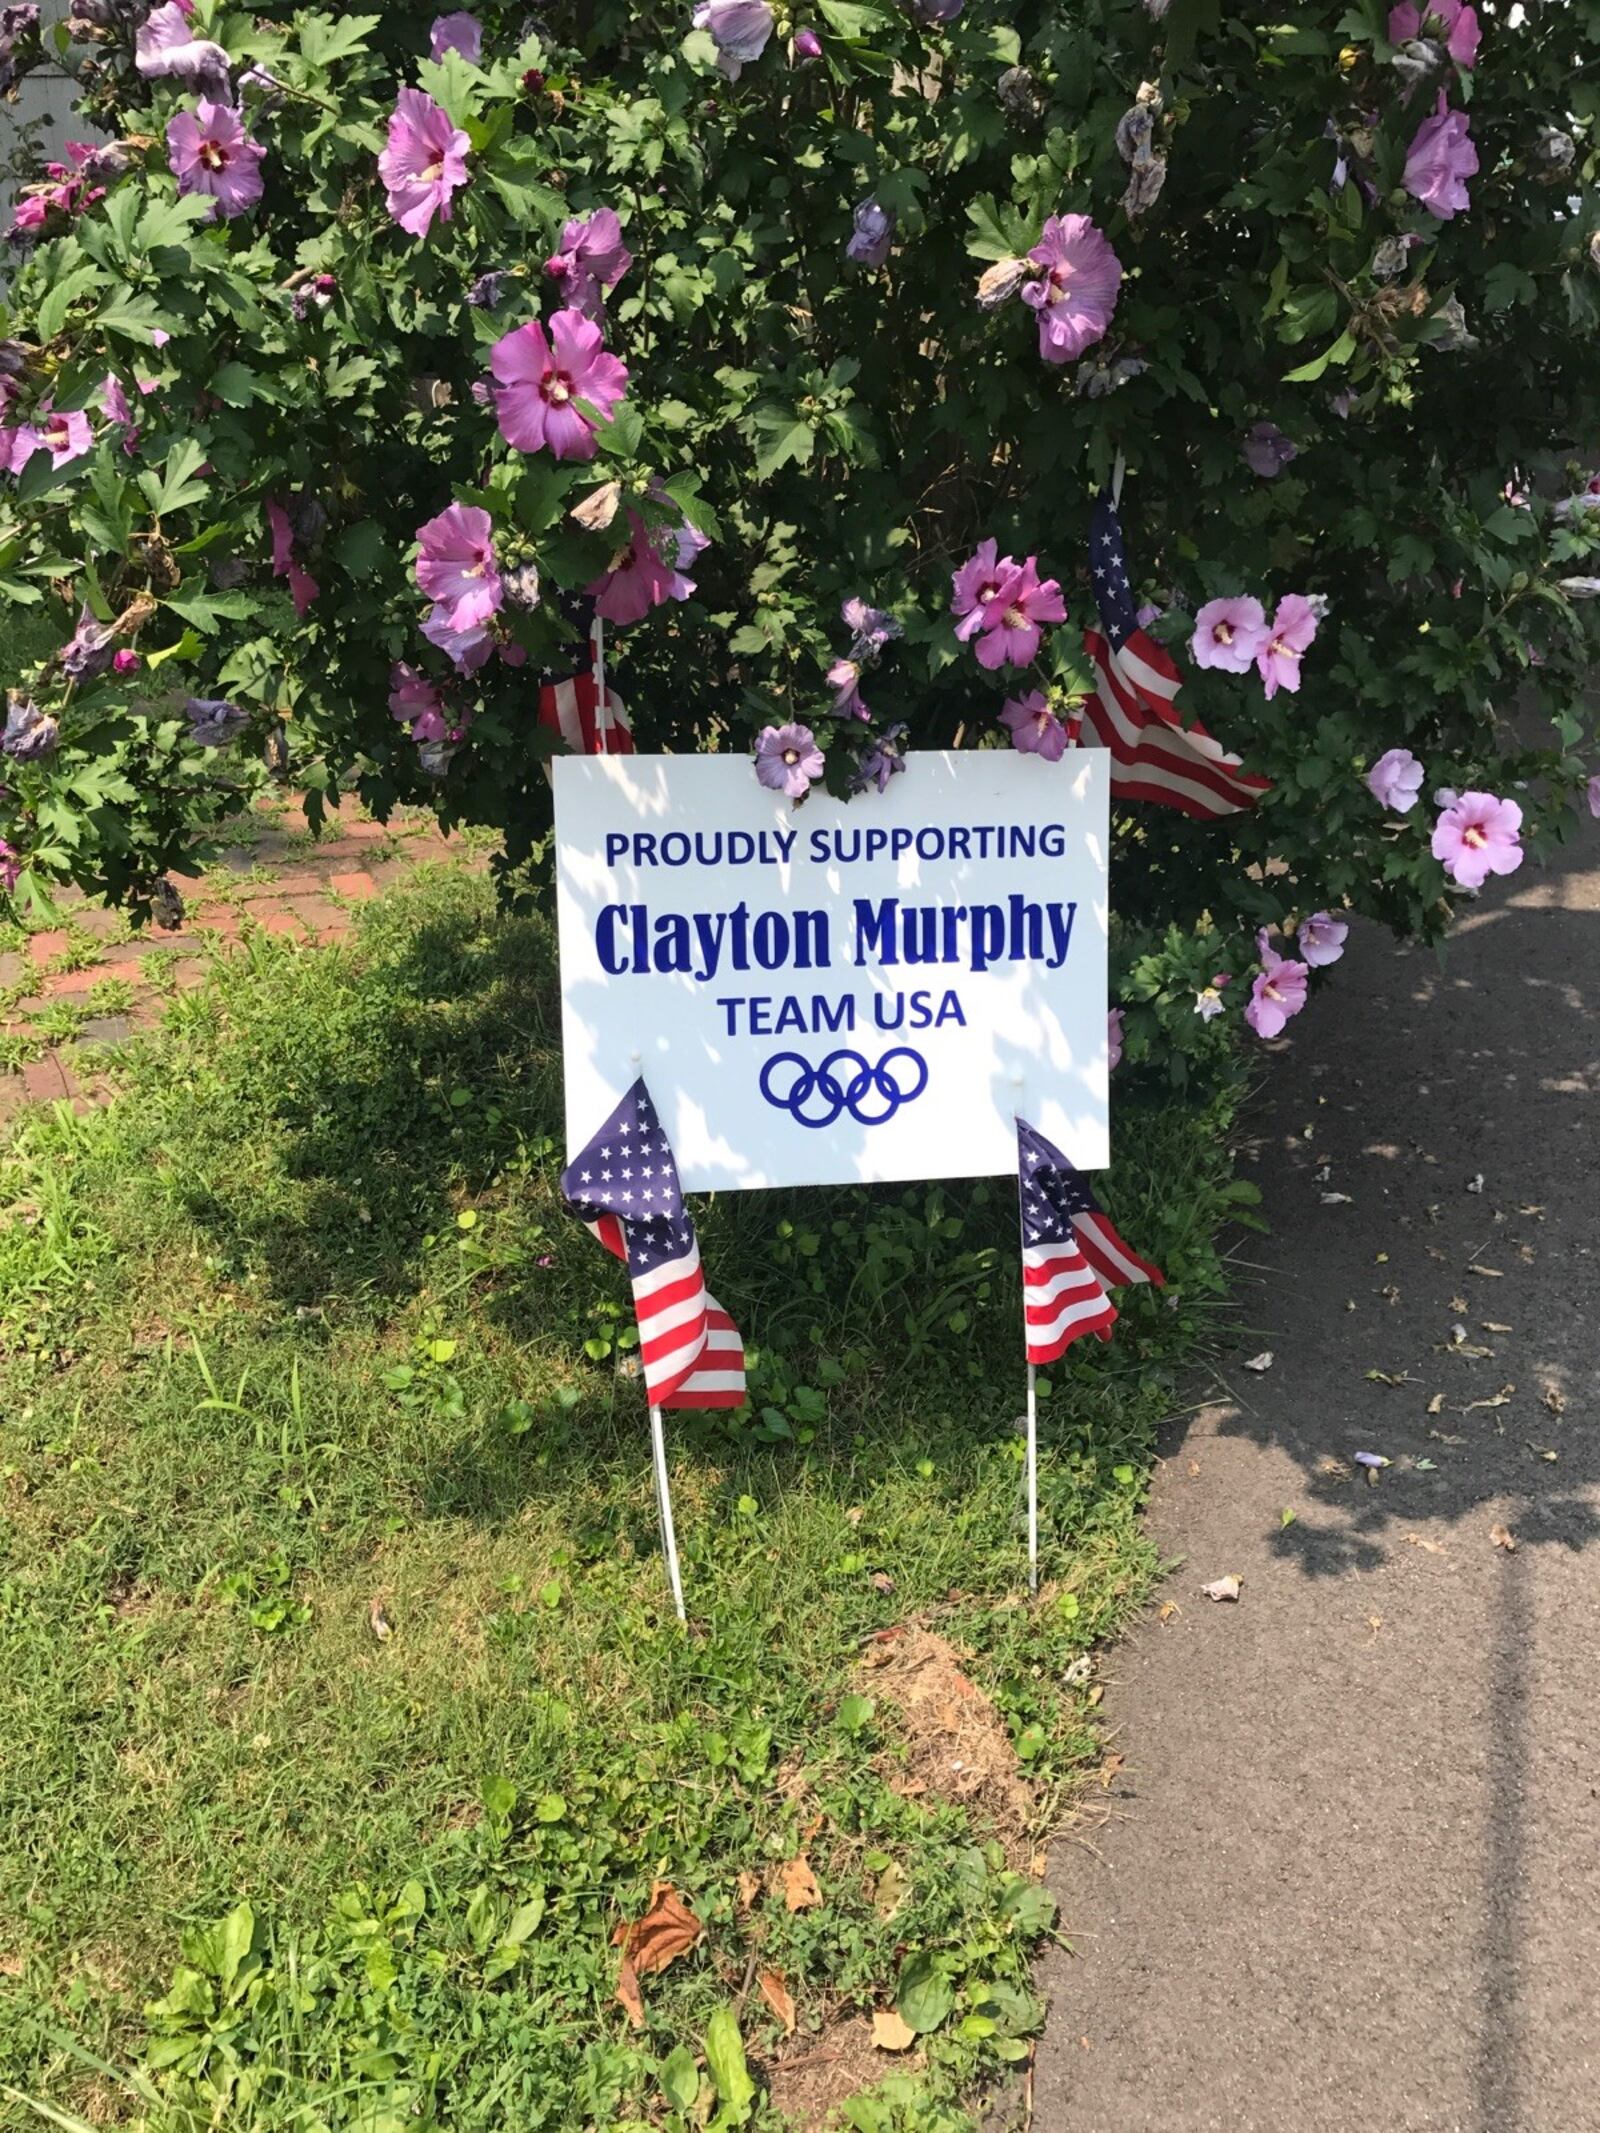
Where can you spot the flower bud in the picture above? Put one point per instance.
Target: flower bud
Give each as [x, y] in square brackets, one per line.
[999, 283]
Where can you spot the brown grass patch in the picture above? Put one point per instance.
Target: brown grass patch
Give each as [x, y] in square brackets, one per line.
[957, 1745]
[810, 2084]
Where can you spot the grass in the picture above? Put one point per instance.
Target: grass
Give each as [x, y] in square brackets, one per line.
[345, 1707]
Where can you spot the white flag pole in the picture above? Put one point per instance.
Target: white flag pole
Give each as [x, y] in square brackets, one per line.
[1033, 1479]
[669, 1538]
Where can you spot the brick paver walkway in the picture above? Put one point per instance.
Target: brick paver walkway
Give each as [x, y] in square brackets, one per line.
[92, 981]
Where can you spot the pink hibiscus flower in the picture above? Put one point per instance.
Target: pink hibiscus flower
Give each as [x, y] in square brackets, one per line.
[1477, 835]
[210, 152]
[166, 46]
[417, 704]
[1594, 796]
[542, 380]
[1113, 1040]
[461, 33]
[1278, 993]
[1395, 779]
[648, 572]
[981, 581]
[1440, 161]
[456, 567]
[844, 679]
[466, 649]
[1077, 293]
[1293, 627]
[303, 588]
[1321, 939]
[65, 437]
[1034, 727]
[10, 867]
[592, 259]
[1229, 635]
[1013, 621]
[425, 163]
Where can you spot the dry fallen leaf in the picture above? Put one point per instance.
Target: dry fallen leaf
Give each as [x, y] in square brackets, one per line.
[1420, 1540]
[891, 2032]
[1503, 1537]
[1263, 1361]
[889, 1890]
[1168, 1611]
[378, 1619]
[1374, 1623]
[629, 1995]
[1544, 1452]
[1555, 1400]
[667, 1930]
[1194, 1469]
[1490, 1273]
[1094, 1695]
[1222, 1588]
[1459, 1305]
[882, 1582]
[1436, 1404]
[1491, 1325]
[749, 1888]
[1336, 1199]
[800, 1891]
[1108, 1770]
[595, 511]
[778, 1997]
[1499, 1400]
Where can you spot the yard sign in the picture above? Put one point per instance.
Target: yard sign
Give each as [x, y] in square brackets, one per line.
[831, 993]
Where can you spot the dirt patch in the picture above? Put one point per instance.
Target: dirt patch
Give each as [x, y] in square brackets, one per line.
[957, 1745]
[812, 2083]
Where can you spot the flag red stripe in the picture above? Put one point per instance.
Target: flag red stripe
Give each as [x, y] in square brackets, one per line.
[1109, 1253]
[1154, 756]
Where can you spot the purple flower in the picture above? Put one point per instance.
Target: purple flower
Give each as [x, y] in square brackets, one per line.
[1113, 1040]
[788, 760]
[64, 436]
[1229, 635]
[1013, 638]
[739, 29]
[10, 867]
[1321, 939]
[119, 408]
[87, 654]
[466, 649]
[1594, 796]
[883, 759]
[870, 628]
[214, 721]
[487, 290]
[125, 663]
[210, 152]
[844, 678]
[1372, 1461]
[313, 295]
[976, 587]
[936, 13]
[540, 379]
[19, 25]
[1477, 836]
[874, 234]
[417, 704]
[425, 163]
[1395, 779]
[30, 734]
[1208, 1003]
[1034, 727]
[592, 260]
[166, 46]
[649, 571]
[1278, 993]
[1077, 293]
[303, 588]
[1267, 451]
[805, 47]
[456, 567]
[1446, 22]
[1440, 161]
[461, 33]
[1293, 628]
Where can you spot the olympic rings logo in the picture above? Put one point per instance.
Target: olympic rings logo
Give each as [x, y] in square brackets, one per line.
[871, 1094]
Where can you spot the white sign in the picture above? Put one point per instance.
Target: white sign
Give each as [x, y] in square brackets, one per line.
[837, 993]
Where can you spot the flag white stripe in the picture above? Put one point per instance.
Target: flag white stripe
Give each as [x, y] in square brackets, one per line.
[1071, 1281]
[668, 1273]
[1097, 1241]
[1089, 1311]
[1139, 674]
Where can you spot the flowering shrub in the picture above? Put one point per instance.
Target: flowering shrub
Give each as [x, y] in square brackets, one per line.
[801, 339]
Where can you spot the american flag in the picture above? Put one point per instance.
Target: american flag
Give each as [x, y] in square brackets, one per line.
[583, 708]
[1071, 1252]
[624, 1187]
[1154, 756]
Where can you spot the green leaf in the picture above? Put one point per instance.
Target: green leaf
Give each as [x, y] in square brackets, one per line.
[19, 593]
[362, 549]
[61, 297]
[170, 222]
[851, 19]
[325, 39]
[206, 610]
[186, 648]
[855, 1712]
[238, 1934]
[137, 317]
[235, 383]
[726, 2064]
[784, 437]
[181, 483]
[680, 2078]
[1341, 352]
[925, 1995]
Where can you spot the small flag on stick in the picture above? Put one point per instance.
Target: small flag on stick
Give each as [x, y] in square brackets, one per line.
[583, 708]
[1071, 1252]
[624, 1187]
[1132, 711]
